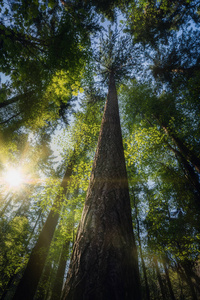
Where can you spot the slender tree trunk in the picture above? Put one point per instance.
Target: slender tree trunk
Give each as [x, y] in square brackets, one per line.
[147, 290]
[44, 282]
[30, 279]
[160, 280]
[180, 280]
[153, 284]
[184, 150]
[188, 281]
[15, 278]
[104, 262]
[168, 281]
[190, 174]
[6, 205]
[197, 280]
[33, 230]
[188, 154]
[188, 273]
[184, 158]
[59, 279]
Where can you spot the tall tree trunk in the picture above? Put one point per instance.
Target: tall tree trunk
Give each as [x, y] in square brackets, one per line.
[44, 282]
[197, 280]
[190, 174]
[147, 290]
[30, 279]
[15, 278]
[183, 158]
[104, 262]
[162, 288]
[59, 279]
[168, 281]
[6, 205]
[180, 280]
[184, 272]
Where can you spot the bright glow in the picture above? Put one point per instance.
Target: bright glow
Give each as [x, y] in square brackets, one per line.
[13, 177]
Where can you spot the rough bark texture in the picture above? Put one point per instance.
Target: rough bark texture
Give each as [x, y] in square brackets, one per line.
[104, 260]
[30, 279]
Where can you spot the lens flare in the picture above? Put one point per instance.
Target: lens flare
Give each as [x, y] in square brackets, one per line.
[13, 177]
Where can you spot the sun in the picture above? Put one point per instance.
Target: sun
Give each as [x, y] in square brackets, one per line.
[14, 178]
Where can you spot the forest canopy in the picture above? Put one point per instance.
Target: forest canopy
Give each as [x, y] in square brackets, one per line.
[100, 201]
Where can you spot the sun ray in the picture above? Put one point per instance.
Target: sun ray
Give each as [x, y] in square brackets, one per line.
[14, 177]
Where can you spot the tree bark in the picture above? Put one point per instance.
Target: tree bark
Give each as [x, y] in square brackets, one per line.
[30, 279]
[104, 262]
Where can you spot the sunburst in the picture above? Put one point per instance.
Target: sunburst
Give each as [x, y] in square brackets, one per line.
[14, 178]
